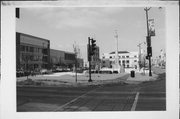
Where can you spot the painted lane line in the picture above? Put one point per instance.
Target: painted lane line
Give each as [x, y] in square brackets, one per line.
[135, 102]
[62, 106]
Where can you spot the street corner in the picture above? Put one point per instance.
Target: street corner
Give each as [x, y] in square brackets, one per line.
[140, 77]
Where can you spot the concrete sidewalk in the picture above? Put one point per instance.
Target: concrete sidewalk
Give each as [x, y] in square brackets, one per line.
[139, 78]
[68, 79]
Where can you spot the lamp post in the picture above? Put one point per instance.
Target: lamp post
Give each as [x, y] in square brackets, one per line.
[148, 36]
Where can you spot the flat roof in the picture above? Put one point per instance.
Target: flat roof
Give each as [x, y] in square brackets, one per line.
[119, 52]
[34, 36]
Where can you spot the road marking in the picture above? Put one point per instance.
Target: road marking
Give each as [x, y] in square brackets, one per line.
[135, 102]
[62, 106]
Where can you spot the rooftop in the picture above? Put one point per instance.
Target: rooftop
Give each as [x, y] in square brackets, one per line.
[119, 52]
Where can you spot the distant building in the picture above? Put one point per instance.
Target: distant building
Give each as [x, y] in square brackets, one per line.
[160, 60]
[64, 59]
[95, 62]
[95, 59]
[32, 53]
[126, 59]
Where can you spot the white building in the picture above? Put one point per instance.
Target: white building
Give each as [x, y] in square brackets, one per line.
[126, 59]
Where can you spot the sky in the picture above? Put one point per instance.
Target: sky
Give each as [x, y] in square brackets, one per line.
[64, 26]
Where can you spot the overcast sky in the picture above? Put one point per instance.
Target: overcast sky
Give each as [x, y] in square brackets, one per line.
[63, 26]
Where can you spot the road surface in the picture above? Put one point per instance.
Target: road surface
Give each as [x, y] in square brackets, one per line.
[148, 96]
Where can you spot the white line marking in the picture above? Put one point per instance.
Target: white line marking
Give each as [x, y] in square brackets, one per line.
[61, 107]
[135, 102]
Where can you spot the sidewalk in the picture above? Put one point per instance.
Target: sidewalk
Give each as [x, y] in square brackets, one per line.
[139, 78]
[69, 79]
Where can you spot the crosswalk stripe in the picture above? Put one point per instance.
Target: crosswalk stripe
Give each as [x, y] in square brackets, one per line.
[135, 102]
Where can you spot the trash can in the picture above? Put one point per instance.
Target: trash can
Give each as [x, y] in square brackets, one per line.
[132, 73]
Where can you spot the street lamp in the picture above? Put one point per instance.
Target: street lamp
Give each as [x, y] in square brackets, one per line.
[148, 42]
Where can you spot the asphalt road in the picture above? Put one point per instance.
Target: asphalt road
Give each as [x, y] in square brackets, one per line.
[149, 96]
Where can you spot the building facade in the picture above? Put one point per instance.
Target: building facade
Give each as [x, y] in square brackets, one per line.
[64, 59]
[95, 59]
[60, 58]
[126, 59]
[32, 53]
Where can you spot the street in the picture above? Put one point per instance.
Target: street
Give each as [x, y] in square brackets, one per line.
[148, 96]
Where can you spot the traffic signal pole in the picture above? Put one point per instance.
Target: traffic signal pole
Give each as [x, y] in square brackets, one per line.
[91, 52]
[89, 58]
[148, 35]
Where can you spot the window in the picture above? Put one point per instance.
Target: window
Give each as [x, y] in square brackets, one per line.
[127, 56]
[27, 48]
[135, 56]
[110, 57]
[31, 49]
[135, 60]
[22, 48]
[127, 66]
[123, 56]
[123, 61]
[127, 61]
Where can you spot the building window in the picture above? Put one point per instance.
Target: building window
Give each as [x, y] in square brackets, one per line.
[110, 57]
[31, 49]
[103, 57]
[27, 48]
[103, 62]
[123, 61]
[119, 56]
[127, 56]
[127, 66]
[135, 60]
[123, 56]
[127, 61]
[135, 56]
[119, 61]
[22, 48]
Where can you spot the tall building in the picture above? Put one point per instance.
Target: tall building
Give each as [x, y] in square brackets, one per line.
[95, 59]
[126, 59]
[32, 53]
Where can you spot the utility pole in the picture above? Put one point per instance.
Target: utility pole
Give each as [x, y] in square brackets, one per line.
[149, 48]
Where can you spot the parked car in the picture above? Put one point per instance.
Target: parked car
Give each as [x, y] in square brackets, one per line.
[19, 73]
[43, 71]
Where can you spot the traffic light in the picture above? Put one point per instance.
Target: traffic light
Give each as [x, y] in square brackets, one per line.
[93, 46]
[148, 40]
[17, 12]
[149, 51]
